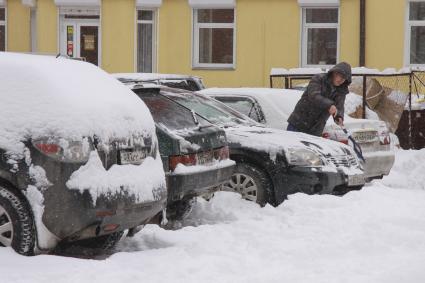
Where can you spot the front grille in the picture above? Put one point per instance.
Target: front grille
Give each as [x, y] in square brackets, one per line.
[343, 161]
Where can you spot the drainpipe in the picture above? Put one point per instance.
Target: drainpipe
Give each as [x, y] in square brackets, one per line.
[362, 53]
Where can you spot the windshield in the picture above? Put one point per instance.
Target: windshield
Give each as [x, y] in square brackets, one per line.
[211, 109]
[170, 114]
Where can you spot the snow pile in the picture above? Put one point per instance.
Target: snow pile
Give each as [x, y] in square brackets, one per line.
[408, 170]
[43, 96]
[374, 235]
[144, 181]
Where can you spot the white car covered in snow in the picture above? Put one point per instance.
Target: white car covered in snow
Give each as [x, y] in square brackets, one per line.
[272, 107]
[79, 160]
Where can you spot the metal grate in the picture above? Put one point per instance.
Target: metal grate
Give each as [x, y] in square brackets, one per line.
[343, 161]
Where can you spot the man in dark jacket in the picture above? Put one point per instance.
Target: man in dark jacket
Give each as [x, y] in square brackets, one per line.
[324, 97]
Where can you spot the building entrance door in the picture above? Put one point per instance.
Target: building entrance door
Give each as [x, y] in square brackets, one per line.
[80, 39]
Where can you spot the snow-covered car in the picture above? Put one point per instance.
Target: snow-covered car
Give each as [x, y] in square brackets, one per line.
[192, 83]
[271, 163]
[194, 152]
[79, 160]
[272, 107]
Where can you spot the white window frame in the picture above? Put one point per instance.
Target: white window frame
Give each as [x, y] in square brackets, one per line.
[4, 23]
[155, 44]
[304, 34]
[195, 39]
[80, 10]
[408, 34]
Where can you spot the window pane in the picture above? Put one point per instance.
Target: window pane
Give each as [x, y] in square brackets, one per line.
[417, 45]
[2, 14]
[145, 15]
[215, 16]
[322, 16]
[216, 45]
[417, 11]
[144, 48]
[322, 46]
[2, 38]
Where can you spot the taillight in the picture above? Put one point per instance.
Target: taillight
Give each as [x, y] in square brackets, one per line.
[222, 153]
[201, 158]
[384, 138]
[48, 148]
[187, 160]
[326, 135]
[63, 150]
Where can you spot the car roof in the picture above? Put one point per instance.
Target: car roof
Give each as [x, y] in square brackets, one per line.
[151, 76]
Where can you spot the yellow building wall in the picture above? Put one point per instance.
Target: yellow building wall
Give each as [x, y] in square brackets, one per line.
[18, 27]
[266, 36]
[118, 20]
[349, 33]
[385, 24]
[47, 27]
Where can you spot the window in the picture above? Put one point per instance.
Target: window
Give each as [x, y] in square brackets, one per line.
[2, 29]
[320, 36]
[214, 38]
[146, 39]
[244, 105]
[416, 33]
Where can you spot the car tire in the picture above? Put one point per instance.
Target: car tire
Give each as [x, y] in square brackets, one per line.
[17, 228]
[251, 182]
[180, 210]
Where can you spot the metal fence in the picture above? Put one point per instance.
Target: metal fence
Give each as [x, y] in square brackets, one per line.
[394, 97]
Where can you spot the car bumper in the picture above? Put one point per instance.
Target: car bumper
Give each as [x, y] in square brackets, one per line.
[378, 164]
[198, 183]
[316, 181]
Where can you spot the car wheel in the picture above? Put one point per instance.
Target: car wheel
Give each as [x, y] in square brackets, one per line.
[251, 182]
[16, 223]
[101, 243]
[179, 210]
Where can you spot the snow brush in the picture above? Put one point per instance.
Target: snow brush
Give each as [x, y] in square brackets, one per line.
[356, 146]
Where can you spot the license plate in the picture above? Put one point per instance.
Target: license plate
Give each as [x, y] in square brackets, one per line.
[364, 137]
[356, 180]
[132, 157]
[205, 158]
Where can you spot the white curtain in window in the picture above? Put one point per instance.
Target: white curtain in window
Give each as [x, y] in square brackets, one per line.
[211, 4]
[318, 3]
[2, 2]
[148, 3]
[78, 3]
[29, 3]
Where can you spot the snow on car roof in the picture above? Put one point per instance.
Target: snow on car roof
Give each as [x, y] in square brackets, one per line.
[150, 76]
[43, 96]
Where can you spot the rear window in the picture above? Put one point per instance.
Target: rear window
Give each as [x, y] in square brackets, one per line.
[181, 84]
[170, 114]
[211, 109]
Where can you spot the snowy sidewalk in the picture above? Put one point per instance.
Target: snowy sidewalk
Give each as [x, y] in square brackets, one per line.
[374, 235]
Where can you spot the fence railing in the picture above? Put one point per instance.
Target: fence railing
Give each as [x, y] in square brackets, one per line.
[395, 97]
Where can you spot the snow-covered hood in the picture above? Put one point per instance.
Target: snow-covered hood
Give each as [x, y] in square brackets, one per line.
[55, 97]
[276, 141]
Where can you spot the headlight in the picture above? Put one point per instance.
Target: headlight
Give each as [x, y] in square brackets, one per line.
[303, 157]
[64, 150]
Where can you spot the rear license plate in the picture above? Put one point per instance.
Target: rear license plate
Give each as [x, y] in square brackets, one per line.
[132, 157]
[365, 137]
[205, 158]
[356, 180]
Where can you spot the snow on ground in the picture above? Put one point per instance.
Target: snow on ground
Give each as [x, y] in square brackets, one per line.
[373, 235]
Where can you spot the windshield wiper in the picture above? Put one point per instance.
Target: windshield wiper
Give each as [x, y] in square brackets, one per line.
[195, 119]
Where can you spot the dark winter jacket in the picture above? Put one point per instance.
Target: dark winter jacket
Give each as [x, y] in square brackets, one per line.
[312, 111]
